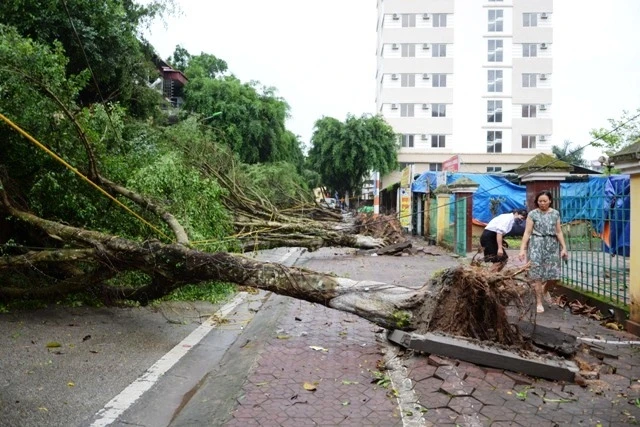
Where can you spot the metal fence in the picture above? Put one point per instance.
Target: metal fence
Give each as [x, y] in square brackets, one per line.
[596, 226]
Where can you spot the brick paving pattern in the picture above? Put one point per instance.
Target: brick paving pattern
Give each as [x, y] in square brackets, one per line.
[274, 393]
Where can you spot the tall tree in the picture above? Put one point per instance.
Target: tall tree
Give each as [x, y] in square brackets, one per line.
[102, 36]
[345, 153]
[569, 154]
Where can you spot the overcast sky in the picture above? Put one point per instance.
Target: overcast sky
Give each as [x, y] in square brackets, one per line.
[320, 55]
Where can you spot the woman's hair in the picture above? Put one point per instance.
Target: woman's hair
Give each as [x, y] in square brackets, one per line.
[543, 193]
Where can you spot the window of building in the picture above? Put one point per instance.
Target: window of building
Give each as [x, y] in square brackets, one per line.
[494, 168]
[529, 19]
[406, 140]
[529, 111]
[408, 50]
[439, 19]
[407, 110]
[529, 80]
[494, 81]
[495, 20]
[439, 80]
[408, 20]
[495, 50]
[438, 110]
[528, 141]
[494, 141]
[407, 80]
[529, 50]
[438, 50]
[437, 141]
[435, 167]
[494, 111]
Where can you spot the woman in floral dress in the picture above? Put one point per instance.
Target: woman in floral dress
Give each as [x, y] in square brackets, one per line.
[545, 242]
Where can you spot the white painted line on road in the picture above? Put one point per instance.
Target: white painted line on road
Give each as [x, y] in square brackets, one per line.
[116, 406]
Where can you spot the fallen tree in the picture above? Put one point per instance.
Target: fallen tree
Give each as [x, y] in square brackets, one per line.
[460, 301]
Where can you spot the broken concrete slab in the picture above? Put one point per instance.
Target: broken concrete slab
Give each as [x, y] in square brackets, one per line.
[549, 338]
[458, 348]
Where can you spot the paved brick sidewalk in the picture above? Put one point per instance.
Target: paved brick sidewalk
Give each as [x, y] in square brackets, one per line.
[341, 370]
[460, 393]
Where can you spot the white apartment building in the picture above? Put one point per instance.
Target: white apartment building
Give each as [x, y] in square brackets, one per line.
[471, 78]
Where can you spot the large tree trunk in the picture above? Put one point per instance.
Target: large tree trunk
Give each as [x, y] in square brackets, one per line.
[458, 300]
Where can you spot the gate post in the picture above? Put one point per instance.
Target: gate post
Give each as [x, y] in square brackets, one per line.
[627, 161]
[543, 172]
[463, 189]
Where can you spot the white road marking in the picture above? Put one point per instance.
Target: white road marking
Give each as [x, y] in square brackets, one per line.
[612, 342]
[116, 406]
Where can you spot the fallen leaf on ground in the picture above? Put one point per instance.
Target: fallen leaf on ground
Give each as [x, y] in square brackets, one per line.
[309, 387]
[318, 348]
[283, 337]
[71, 384]
[53, 344]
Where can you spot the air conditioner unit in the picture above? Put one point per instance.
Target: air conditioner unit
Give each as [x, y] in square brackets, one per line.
[543, 16]
[426, 46]
[396, 16]
[395, 46]
[543, 138]
[543, 77]
[394, 77]
[543, 107]
[543, 46]
[426, 76]
[425, 137]
[394, 106]
[425, 106]
[425, 16]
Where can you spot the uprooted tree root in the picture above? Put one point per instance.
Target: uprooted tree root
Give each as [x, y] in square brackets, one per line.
[472, 302]
[386, 227]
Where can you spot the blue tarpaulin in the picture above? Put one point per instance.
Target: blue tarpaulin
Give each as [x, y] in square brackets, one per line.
[491, 187]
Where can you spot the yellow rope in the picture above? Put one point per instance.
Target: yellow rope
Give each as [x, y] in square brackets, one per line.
[74, 170]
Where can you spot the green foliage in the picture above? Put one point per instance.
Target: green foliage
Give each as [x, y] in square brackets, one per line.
[106, 41]
[566, 153]
[622, 132]
[279, 183]
[193, 199]
[345, 153]
[213, 292]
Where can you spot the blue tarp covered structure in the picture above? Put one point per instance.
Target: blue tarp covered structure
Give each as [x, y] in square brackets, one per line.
[603, 200]
[491, 187]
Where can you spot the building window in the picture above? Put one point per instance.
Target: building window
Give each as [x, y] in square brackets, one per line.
[438, 110]
[494, 141]
[494, 168]
[438, 50]
[435, 167]
[408, 50]
[494, 81]
[529, 19]
[408, 20]
[437, 141]
[529, 111]
[407, 80]
[495, 20]
[439, 19]
[494, 111]
[407, 110]
[439, 80]
[529, 50]
[406, 141]
[528, 141]
[529, 80]
[495, 50]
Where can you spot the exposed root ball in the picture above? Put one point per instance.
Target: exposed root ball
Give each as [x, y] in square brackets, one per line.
[472, 303]
[386, 227]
